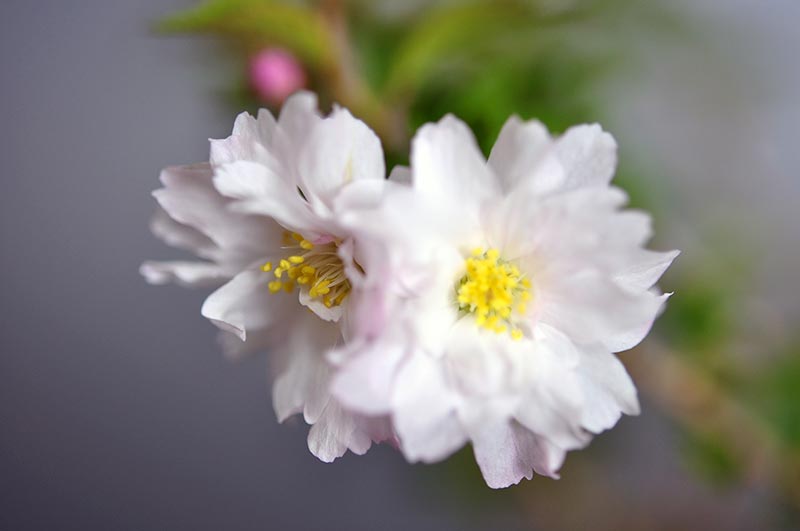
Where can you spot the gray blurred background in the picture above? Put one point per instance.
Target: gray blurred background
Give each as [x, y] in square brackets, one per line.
[117, 410]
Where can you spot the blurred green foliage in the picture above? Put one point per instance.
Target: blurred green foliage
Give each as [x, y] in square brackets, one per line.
[709, 455]
[480, 59]
[774, 393]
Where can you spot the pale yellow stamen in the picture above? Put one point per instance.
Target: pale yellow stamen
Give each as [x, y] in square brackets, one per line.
[316, 267]
[493, 290]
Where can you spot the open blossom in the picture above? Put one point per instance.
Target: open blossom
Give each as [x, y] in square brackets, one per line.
[514, 281]
[264, 215]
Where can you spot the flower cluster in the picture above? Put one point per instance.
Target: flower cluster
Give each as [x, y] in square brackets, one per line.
[458, 300]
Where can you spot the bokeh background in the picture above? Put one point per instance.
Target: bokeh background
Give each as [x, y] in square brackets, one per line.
[117, 410]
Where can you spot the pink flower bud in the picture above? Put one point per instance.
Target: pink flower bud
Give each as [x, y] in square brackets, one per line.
[275, 74]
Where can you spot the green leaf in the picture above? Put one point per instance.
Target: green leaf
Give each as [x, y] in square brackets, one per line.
[446, 32]
[254, 24]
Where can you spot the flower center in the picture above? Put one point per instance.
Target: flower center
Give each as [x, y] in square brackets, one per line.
[493, 290]
[317, 268]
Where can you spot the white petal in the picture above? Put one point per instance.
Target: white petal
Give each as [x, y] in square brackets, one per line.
[645, 272]
[332, 314]
[298, 116]
[554, 401]
[591, 308]
[190, 198]
[425, 417]
[257, 340]
[244, 302]
[519, 151]
[562, 225]
[588, 155]
[329, 437]
[262, 192]
[302, 374]
[365, 380]
[608, 389]
[182, 236]
[339, 430]
[358, 195]
[401, 175]
[340, 150]
[184, 273]
[449, 167]
[250, 140]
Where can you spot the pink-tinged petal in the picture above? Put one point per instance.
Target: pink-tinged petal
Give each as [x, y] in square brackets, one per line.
[506, 453]
[425, 411]
[448, 165]
[366, 377]
[518, 156]
[190, 274]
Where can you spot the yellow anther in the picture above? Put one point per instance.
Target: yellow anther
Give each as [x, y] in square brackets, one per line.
[516, 334]
[322, 288]
[493, 290]
[316, 268]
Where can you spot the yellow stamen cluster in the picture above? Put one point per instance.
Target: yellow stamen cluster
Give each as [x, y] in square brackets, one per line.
[493, 290]
[317, 267]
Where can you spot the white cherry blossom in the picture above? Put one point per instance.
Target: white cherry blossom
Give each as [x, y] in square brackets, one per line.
[509, 285]
[263, 215]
